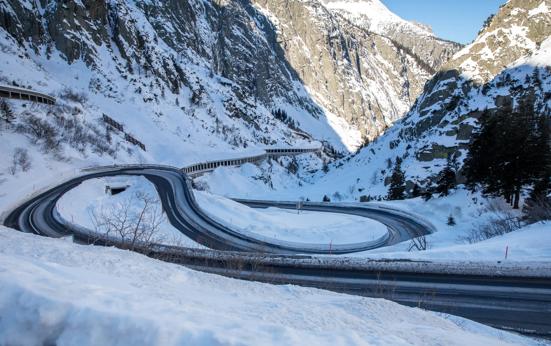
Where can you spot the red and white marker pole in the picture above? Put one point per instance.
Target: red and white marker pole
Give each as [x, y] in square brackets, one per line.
[506, 251]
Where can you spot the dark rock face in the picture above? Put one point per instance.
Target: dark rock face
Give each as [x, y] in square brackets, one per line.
[221, 36]
[368, 79]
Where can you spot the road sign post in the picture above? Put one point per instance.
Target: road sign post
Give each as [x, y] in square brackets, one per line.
[300, 204]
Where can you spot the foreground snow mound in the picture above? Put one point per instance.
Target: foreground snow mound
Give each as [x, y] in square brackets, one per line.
[55, 292]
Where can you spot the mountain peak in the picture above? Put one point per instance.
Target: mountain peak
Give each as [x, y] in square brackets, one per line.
[375, 16]
[516, 30]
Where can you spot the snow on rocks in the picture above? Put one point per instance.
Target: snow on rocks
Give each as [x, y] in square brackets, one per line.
[375, 16]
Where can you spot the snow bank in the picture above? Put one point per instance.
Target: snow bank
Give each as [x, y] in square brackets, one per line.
[470, 212]
[530, 243]
[284, 224]
[56, 292]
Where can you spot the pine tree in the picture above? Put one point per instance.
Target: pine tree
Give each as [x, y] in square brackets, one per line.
[6, 113]
[508, 152]
[446, 178]
[397, 188]
[416, 191]
[451, 220]
[542, 187]
[542, 180]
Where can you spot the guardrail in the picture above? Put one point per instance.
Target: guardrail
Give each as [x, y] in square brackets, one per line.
[209, 166]
[290, 151]
[25, 94]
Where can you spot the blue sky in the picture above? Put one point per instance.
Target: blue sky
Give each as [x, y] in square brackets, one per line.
[456, 20]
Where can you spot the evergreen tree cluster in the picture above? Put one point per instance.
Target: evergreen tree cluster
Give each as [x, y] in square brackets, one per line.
[282, 116]
[509, 153]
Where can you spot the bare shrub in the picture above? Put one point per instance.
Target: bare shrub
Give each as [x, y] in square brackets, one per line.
[419, 244]
[74, 96]
[200, 185]
[60, 128]
[337, 196]
[537, 209]
[136, 221]
[39, 130]
[20, 161]
[6, 112]
[501, 222]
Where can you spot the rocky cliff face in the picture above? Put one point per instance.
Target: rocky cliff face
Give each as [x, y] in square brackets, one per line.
[509, 60]
[364, 77]
[207, 72]
[236, 61]
[416, 38]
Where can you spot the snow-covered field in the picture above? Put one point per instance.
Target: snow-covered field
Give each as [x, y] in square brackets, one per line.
[86, 203]
[469, 211]
[290, 225]
[530, 243]
[66, 294]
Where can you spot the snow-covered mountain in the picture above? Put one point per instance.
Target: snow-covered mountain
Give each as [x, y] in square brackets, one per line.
[218, 68]
[509, 60]
[194, 80]
[374, 16]
[185, 78]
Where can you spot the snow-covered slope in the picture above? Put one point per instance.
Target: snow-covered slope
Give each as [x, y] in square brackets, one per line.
[55, 292]
[288, 225]
[177, 76]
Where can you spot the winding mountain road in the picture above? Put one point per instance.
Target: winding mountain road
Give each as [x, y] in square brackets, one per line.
[504, 299]
[39, 216]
